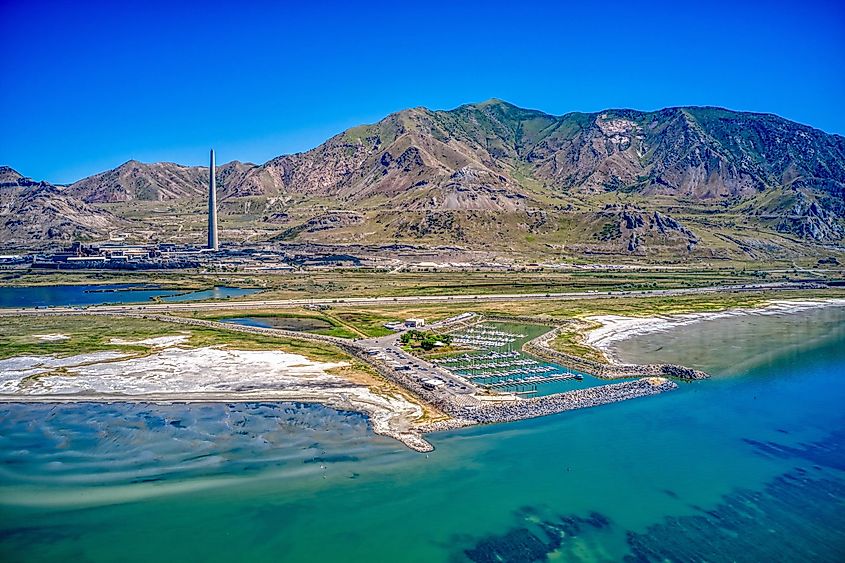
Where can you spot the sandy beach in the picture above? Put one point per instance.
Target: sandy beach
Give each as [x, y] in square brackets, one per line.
[615, 327]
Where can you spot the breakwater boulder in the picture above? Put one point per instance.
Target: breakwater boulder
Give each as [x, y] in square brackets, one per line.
[570, 400]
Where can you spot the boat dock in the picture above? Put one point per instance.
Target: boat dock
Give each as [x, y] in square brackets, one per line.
[532, 380]
[508, 373]
[473, 357]
[483, 336]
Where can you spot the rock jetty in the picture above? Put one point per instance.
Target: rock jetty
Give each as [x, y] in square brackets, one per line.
[570, 400]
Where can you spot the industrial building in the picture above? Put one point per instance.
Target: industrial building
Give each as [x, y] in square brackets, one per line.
[115, 254]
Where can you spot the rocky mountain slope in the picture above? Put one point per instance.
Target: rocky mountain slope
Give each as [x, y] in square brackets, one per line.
[495, 156]
[695, 180]
[159, 181]
[11, 179]
[38, 211]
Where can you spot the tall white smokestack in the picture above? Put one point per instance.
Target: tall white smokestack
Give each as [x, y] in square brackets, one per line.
[212, 206]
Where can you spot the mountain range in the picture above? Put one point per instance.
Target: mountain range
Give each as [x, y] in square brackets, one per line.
[670, 184]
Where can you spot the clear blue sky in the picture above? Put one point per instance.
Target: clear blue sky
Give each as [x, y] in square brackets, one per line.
[88, 85]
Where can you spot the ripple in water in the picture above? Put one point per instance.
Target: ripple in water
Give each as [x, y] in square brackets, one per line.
[121, 444]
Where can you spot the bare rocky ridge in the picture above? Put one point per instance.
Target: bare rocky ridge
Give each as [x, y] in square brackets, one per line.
[327, 221]
[10, 179]
[44, 212]
[159, 181]
[631, 227]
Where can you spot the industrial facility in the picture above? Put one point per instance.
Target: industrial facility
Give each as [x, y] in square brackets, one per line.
[115, 254]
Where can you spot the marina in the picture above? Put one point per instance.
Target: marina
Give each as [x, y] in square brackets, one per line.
[506, 373]
[501, 367]
[467, 357]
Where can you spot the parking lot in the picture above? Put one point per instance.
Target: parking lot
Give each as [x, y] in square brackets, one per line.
[431, 376]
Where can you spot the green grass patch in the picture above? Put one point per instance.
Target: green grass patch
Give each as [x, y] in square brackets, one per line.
[368, 323]
[94, 333]
[570, 342]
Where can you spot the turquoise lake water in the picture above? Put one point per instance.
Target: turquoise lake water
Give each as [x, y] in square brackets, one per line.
[747, 466]
[83, 295]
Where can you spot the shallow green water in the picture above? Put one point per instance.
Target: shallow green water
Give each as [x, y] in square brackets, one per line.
[747, 466]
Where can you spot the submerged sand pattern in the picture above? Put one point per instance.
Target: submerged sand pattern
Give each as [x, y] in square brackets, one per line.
[206, 374]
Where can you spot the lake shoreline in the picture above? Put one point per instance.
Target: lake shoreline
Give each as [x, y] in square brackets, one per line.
[616, 328]
[382, 422]
[171, 373]
[387, 416]
[385, 422]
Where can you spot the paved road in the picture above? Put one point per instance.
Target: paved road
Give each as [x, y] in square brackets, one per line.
[410, 299]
